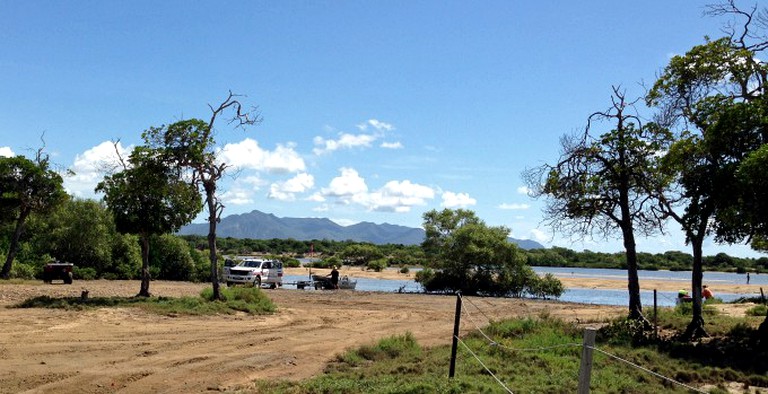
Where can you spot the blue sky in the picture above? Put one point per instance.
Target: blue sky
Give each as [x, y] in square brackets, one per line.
[373, 111]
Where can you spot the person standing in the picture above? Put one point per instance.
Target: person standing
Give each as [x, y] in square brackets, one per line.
[335, 277]
[747, 277]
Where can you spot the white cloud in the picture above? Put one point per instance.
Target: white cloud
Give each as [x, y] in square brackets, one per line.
[345, 141]
[248, 154]
[394, 196]
[398, 196]
[392, 145]
[321, 208]
[538, 235]
[286, 191]
[345, 222]
[380, 126]
[348, 184]
[514, 207]
[90, 167]
[237, 197]
[524, 190]
[351, 141]
[457, 200]
[316, 197]
[6, 151]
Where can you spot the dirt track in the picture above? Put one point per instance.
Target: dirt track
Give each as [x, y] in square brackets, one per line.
[127, 350]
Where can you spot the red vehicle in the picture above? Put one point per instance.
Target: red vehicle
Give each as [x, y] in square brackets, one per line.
[58, 271]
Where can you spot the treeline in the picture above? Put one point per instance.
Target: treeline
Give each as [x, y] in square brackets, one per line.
[671, 260]
[413, 255]
[83, 232]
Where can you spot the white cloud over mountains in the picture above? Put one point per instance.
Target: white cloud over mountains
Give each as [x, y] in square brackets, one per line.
[287, 190]
[351, 141]
[395, 196]
[247, 154]
[256, 173]
[453, 200]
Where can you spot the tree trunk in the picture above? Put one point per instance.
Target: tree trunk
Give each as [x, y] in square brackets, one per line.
[210, 191]
[145, 277]
[633, 281]
[762, 334]
[695, 328]
[14, 246]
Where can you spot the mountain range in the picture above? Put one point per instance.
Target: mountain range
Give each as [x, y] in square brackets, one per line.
[260, 225]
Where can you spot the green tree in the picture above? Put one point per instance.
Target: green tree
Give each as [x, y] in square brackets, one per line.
[607, 184]
[79, 232]
[171, 258]
[126, 257]
[716, 93]
[190, 144]
[26, 186]
[149, 198]
[360, 254]
[438, 225]
[472, 257]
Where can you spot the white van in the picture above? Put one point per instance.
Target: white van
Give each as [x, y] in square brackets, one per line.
[257, 272]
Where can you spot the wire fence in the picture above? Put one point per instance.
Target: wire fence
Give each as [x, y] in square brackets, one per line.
[498, 344]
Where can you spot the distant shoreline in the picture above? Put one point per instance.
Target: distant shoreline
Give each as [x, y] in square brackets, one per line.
[569, 282]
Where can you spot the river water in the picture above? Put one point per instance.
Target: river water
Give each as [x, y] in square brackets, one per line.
[589, 296]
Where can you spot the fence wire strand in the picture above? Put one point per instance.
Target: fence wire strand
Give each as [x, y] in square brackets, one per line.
[658, 375]
[484, 366]
[494, 343]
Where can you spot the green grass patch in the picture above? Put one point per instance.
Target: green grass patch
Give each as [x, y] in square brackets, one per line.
[248, 300]
[536, 355]
[757, 310]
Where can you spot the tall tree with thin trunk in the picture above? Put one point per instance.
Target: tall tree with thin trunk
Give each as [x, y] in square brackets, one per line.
[716, 96]
[26, 186]
[190, 144]
[607, 184]
[149, 197]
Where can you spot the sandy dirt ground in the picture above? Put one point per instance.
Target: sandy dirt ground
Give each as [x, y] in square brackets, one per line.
[130, 351]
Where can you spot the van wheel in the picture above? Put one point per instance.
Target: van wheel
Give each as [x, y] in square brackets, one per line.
[273, 286]
[257, 282]
[68, 278]
[229, 284]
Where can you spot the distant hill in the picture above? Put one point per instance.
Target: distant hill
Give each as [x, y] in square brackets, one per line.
[260, 225]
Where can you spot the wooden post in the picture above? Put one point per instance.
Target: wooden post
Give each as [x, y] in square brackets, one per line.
[655, 316]
[585, 370]
[762, 295]
[455, 345]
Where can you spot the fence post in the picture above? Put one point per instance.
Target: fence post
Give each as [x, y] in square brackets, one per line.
[585, 370]
[455, 346]
[762, 295]
[655, 316]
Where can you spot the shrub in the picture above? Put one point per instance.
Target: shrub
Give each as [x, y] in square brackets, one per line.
[291, 263]
[757, 310]
[546, 287]
[23, 271]
[404, 270]
[84, 273]
[246, 299]
[377, 265]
